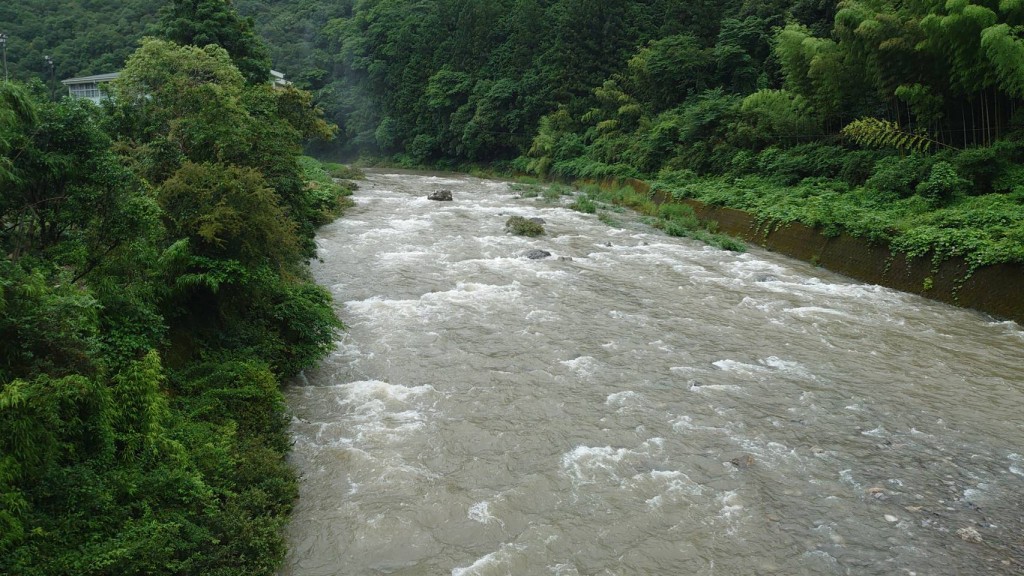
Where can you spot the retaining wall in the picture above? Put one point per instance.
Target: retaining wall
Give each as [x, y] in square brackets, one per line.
[996, 290]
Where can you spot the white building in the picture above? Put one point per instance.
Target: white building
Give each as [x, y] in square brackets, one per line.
[89, 86]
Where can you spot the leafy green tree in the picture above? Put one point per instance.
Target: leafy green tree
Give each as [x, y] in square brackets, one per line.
[668, 70]
[203, 22]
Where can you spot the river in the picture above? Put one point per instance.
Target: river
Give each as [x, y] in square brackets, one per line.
[639, 404]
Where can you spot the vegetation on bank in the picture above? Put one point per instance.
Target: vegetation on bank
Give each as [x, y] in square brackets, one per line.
[154, 293]
[895, 121]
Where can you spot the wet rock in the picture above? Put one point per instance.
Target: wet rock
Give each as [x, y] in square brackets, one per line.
[565, 258]
[537, 254]
[742, 462]
[440, 195]
[969, 535]
[538, 220]
[766, 278]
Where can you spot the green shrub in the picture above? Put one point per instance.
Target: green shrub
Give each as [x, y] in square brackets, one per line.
[983, 165]
[554, 193]
[609, 220]
[942, 184]
[675, 211]
[343, 171]
[899, 176]
[585, 204]
[523, 227]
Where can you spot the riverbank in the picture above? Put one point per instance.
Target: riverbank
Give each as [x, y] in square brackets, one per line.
[960, 274]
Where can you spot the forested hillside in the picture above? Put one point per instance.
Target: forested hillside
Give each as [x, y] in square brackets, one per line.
[897, 121]
[153, 295]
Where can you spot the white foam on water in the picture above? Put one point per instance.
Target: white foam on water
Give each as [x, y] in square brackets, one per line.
[564, 570]
[787, 366]
[739, 367]
[377, 390]
[673, 484]
[584, 366]
[542, 316]
[383, 412]
[404, 256]
[432, 305]
[480, 512]
[592, 464]
[698, 388]
[623, 399]
[804, 311]
[493, 560]
[685, 423]
[731, 506]
[847, 477]
[638, 319]
[879, 432]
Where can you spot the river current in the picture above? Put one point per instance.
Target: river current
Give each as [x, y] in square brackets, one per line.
[639, 404]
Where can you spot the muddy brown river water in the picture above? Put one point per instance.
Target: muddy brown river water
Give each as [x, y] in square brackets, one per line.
[641, 405]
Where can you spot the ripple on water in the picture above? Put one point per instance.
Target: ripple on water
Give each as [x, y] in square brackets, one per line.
[653, 406]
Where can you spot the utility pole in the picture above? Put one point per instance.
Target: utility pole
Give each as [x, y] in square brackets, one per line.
[49, 62]
[3, 46]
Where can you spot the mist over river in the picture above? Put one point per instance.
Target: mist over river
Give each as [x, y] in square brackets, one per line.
[639, 404]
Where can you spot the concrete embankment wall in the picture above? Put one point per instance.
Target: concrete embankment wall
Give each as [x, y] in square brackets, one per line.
[997, 290]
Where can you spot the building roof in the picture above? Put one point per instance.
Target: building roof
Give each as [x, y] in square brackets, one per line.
[91, 79]
[275, 76]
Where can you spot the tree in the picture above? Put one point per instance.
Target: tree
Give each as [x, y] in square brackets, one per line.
[203, 22]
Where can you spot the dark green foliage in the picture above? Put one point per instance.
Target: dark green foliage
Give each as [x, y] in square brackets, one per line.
[153, 295]
[942, 184]
[523, 227]
[899, 176]
[203, 22]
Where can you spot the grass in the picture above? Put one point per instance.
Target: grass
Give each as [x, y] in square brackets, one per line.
[585, 204]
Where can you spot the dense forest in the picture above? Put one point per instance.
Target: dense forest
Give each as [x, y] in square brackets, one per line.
[153, 289]
[895, 121]
[154, 293]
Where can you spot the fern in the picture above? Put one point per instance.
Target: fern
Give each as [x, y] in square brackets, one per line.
[876, 133]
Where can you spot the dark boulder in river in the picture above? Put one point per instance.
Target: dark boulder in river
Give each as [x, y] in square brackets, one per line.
[537, 254]
[441, 195]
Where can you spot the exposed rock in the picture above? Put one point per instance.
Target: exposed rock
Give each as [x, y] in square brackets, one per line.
[565, 258]
[969, 535]
[538, 220]
[891, 518]
[742, 462]
[537, 254]
[441, 195]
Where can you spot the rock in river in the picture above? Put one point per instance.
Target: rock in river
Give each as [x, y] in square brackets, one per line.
[537, 254]
[441, 195]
